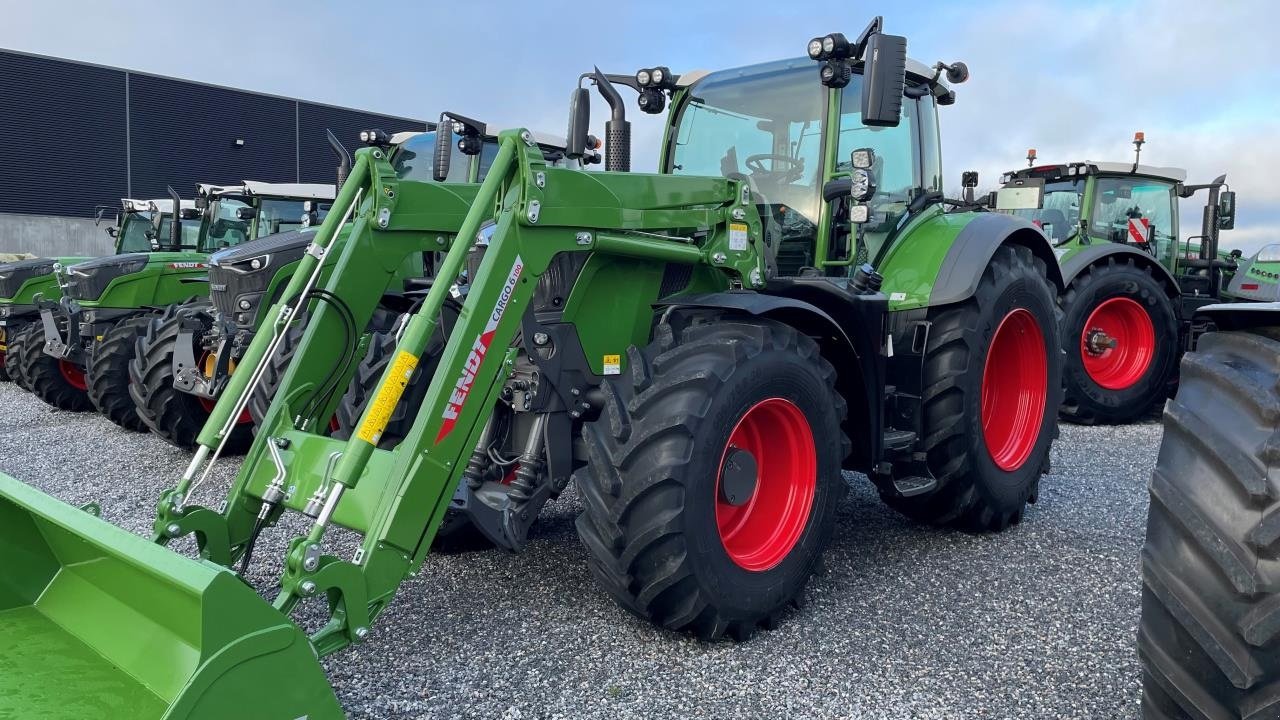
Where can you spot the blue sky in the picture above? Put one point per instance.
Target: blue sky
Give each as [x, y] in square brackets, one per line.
[1072, 79]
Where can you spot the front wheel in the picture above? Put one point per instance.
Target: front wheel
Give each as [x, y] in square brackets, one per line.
[1120, 336]
[108, 375]
[14, 352]
[713, 474]
[60, 383]
[991, 396]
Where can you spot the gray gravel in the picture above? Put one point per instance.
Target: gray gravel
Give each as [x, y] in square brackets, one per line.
[907, 621]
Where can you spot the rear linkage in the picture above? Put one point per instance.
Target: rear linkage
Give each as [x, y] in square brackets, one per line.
[397, 498]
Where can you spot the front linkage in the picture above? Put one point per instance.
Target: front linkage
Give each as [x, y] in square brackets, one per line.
[397, 498]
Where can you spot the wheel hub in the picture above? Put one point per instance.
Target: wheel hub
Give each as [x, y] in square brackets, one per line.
[1097, 342]
[738, 477]
[1118, 343]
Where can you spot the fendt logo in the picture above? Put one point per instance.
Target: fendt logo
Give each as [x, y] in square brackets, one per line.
[479, 348]
[187, 265]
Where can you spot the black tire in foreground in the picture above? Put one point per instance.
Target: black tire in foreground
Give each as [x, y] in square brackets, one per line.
[108, 375]
[59, 383]
[4, 355]
[260, 402]
[17, 339]
[713, 474]
[991, 398]
[1209, 635]
[1120, 336]
[168, 412]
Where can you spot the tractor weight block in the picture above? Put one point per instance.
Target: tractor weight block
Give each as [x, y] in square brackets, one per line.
[98, 622]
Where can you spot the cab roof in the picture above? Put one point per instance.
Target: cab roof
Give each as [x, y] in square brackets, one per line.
[305, 191]
[164, 205]
[1100, 167]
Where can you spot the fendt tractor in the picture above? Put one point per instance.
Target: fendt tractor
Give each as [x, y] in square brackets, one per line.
[186, 355]
[700, 350]
[1133, 279]
[22, 282]
[90, 332]
[1207, 639]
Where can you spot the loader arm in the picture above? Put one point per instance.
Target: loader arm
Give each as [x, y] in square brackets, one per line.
[396, 498]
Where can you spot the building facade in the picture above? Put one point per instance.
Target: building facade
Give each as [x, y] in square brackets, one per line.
[76, 136]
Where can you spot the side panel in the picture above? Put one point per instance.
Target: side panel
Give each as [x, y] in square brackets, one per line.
[168, 278]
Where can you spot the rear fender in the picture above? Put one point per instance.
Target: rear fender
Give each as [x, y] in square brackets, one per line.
[1090, 255]
[974, 247]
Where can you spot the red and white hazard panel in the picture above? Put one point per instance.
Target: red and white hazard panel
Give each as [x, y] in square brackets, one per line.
[1139, 230]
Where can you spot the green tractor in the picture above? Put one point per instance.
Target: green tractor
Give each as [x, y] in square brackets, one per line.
[1207, 638]
[186, 356]
[88, 335]
[699, 350]
[1133, 279]
[23, 283]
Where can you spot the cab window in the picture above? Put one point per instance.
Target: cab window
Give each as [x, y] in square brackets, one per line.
[1117, 201]
[415, 158]
[278, 215]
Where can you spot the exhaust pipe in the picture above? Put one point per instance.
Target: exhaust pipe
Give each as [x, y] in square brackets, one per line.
[344, 157]
[617, 131]
[175, 222]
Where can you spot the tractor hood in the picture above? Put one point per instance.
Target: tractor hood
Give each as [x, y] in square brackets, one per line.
[88, 280]
[239, 276]
[14, 274]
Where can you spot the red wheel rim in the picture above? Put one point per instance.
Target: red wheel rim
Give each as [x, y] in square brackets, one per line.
[758, 534]
[207, 404]
[72, 374]
[1124, 323]
[1015, 389]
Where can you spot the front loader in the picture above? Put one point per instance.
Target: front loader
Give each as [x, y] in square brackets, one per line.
[702, 351]
[106, 303]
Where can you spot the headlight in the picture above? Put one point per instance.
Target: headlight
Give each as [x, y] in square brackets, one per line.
[862, 185]
[1269, 254]
[659, 76]
[252, 264]
[815, 48]
[643, 78]
[859, 214]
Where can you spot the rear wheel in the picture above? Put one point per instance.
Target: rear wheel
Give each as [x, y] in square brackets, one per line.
[1209, 634]
[59, 382]
[991, 398]
[168, 412]
[108, 376]
[713, 474]
[1120, 335]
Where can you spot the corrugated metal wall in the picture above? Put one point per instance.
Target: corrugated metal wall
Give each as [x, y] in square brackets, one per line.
[73, 136]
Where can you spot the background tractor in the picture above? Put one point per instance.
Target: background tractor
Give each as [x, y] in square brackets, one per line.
[23, 282]
[90, 332]
[1134, 277]
[700, 350]
[1210, 582]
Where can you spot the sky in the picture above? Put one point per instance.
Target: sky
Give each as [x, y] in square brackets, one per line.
[1074, 80]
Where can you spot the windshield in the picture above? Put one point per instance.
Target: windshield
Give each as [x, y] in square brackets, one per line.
[1135, 210]
[277, 215]
[1060, 214]
[415, 157]
[763, 125]
[225, 229]
[134, 230]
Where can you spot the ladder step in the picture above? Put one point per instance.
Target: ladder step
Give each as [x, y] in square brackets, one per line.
[911, 486]
[899, 440]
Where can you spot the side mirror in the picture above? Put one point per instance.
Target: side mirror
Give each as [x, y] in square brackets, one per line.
[1227, 210]
[884, 80]
[579, 123]
[246, 213]
[1021, 194]
[189, 214]
[113, 231]
[969, 181]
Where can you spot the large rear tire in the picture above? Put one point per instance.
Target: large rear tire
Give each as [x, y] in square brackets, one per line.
[59, 383]
[1209, 634]
[168, 412]
[991, 397]
[713, 474]
[1123, 304]
[108, 376]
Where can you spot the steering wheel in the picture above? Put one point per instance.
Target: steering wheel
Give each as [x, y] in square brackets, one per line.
[791, 171]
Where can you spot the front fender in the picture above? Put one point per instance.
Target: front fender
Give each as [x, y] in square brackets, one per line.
[939, 259]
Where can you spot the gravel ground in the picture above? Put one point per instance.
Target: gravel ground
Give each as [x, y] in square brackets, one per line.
[907, 621]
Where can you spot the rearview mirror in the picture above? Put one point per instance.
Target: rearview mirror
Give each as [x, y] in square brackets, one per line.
[884, 80]
[246, 213]
[189, 214]
[579, 123]
[112, 231]
[1227, 210]
[1021, 194]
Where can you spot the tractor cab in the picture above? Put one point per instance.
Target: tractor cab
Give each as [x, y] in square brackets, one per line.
[136, 228]
[239, 213]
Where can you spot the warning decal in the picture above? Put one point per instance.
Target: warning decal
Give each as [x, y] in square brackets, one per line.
[738, 235]
[384, 403]
[612, 364]
[1139, 230]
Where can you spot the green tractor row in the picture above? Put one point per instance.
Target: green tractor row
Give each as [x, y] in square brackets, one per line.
[24, 283]
[701, 351]
[186, 355]
[89, 333]
[1134, 277]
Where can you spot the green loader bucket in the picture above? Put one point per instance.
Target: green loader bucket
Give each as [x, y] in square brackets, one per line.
[96, 622]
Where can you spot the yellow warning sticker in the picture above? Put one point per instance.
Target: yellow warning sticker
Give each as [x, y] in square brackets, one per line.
[738, 236]
[384, 403]
[612, 364]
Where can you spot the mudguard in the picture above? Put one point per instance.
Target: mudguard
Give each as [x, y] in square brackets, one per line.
[1076, 261]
